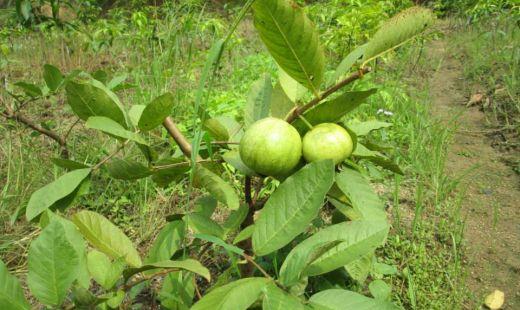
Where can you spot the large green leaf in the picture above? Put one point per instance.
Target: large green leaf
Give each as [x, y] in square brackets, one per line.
[113, 128]
[277, 299]
[292, 40]
[237, 295]
[292, 207]
[204, 225]
[156, 111]
[11, 293]
[397, 30]
[46, 196]
[104, 272]
[294, 90]
[364, 128]
[361, 195]
[258, 101]
[53, 265]
[338, 299]
[125, 169]
[217, 187]
[88, 97]
[346, 64]
[168, 241]
[281, 104]
[333, 110]
[52, 76]
[106, 237]
[187, 264]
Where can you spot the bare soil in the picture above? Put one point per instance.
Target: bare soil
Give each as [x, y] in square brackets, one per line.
[491, 205]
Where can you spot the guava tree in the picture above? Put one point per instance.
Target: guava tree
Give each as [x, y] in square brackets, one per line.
[305, 222]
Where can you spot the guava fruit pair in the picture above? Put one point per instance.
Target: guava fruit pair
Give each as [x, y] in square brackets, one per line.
[273, 147]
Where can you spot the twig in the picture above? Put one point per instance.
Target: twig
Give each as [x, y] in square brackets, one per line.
[128, 286]
[252, 261]
[184, 163]
[70, 129]
[297, 111]
[247, 191]
[104, 160]
[177, 135]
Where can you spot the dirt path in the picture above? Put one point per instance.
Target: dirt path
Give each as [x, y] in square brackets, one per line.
[492, 204]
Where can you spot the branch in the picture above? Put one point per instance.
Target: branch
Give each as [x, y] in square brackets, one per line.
[299, 110]
[128, 286]
[177, 135]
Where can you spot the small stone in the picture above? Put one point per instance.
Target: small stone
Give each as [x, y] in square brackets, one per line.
[495, 300]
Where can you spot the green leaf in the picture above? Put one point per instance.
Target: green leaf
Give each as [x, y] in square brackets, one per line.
[362, 152]
[338, 299]
[360, 268]
[11, 293]
[292, 207]
[135, 113]
[113, 128]
[104, 272]
[53, 265]
[292, 40]
[216, 129]
[116, 299]
[237, 295]
[68, 164]
[380, 290]
[169, 170]
[30, 90]
[125, 169]
[187, 264]
[258, 101]
[204, 225]
[236, 218]
[177, 291]
[100, 75]
[232, 157]
[384, 269]
[168, 241]
[277, 299]
[361, 195]
[397, 30]
[156, 111]
[246, 233]
[116, 81]
[205, 205]
[364, 128]
[46, 196]
[386, 163]
[333, 110]
[220, 242]
[294, 90]
[346, 64]
[52, 76]
[88, 97]
[217, 187]
[280, 103]
[106, 237]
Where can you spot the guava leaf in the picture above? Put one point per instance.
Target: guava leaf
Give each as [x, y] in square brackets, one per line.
[29, 89]
[277, 299]
[125, 169]
[338, 299]
[246, 233]
[292, 40]
[156, 111]
[258, 100]
[104, 272]
[232, 157]
[380, 290]
[294, 90]
[168, 241]
[292, 207]
[220, 242]
[203, 225]
[280, 102]
[11, 292]
[52, 76]
[113, 128]
[364, 128]
[187, 264]
[360, 268]
[347, 62]
[217, 187]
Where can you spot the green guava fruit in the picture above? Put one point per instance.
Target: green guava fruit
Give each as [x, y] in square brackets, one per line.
[271, 147]
[327, 141]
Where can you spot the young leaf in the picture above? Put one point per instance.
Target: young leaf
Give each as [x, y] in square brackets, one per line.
[11, 293]
[30, 90]
[52, 76]
[156, 111]
[360, 268]
[217, 187]
[277, 299]
[364, 128]
[220, 242]
[187, 264]
[113, 128]
[280, 103]
[106, 237]
[53, 265]
[168, 241]
[232, 157]
[333, 110]
[51, 193]
[380, 290]
[294, 90]
[338, 299]
[244, 234]
[104, 272]
[116, 299]
[135, 113]
[347, 63]
[89, 97]
[124, 169]
[204, 225]
[360, 194]
[238, 295]
[258, 100]
[292, 40]
[292, 207]
[397, 30]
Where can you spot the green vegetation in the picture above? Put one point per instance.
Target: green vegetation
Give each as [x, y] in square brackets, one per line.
[130, 199]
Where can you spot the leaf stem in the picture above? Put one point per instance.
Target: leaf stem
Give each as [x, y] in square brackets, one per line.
[305, 121]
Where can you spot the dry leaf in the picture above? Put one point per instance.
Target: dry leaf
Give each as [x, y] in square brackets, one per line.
[495, 300]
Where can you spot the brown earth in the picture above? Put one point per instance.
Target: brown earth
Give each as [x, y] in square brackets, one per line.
[492, 200]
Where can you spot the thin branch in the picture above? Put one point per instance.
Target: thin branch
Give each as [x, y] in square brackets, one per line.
[247, 191]
[107, 158]
[252, 261]
[70, 129]
[297, 111]
[177, 135]
[128, 286]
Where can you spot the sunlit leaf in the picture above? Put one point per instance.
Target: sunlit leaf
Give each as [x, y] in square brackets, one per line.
[187, 264]
[103, 271]
[111, 127]
[338, 299]
[346, 64]
[364, 128]
[294, 90]
[280, 102]
[168, 241]
[277, 299]
[203, 225]
[11, 292]
[217, 187]
[380, 290]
